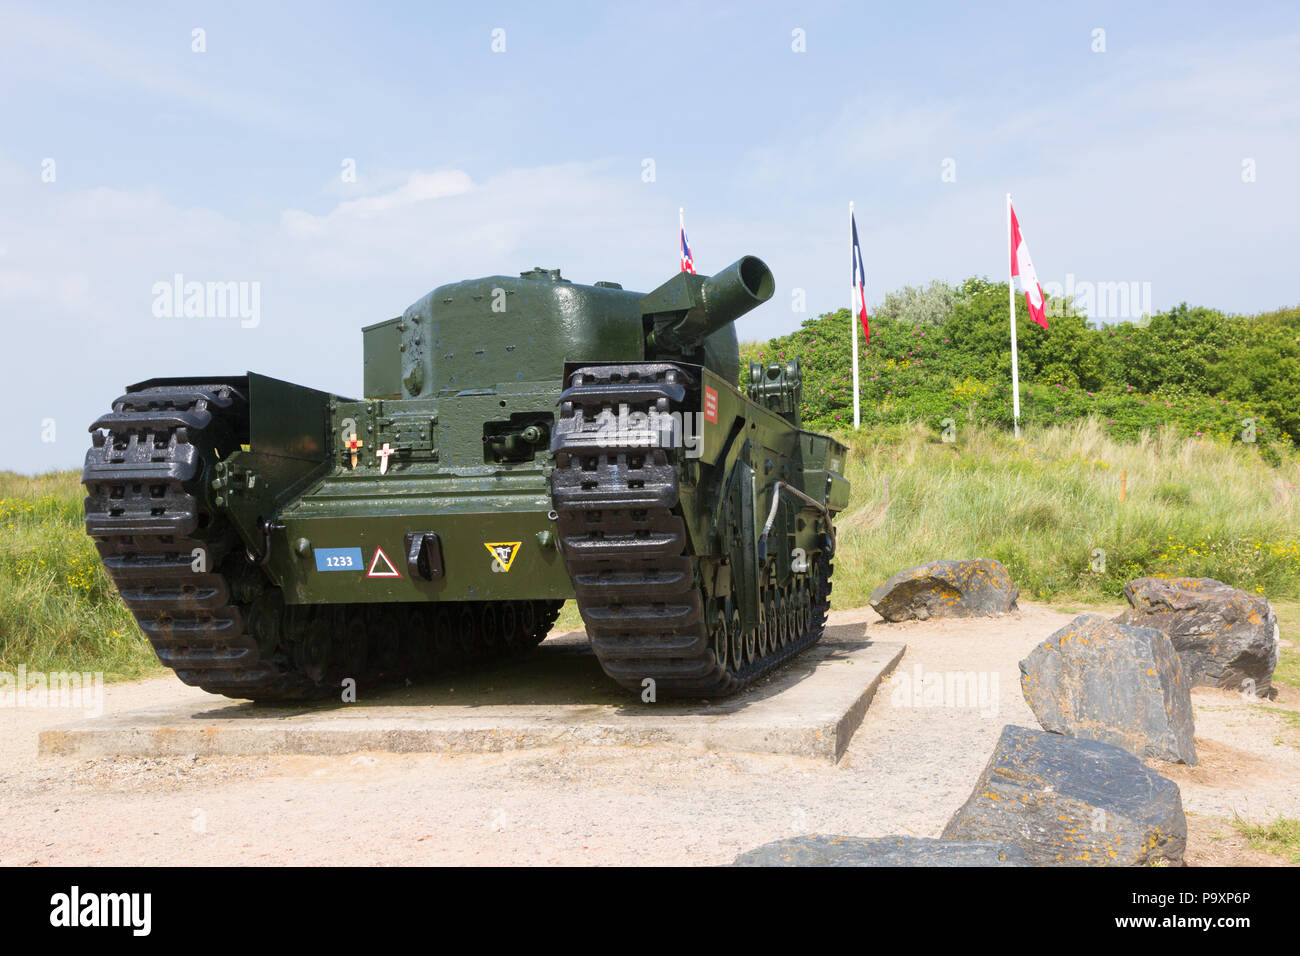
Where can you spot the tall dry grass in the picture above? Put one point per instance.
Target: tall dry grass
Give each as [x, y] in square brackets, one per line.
[58, 608]
[1048, 506]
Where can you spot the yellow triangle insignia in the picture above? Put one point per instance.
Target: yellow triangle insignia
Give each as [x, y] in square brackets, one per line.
[503, 552]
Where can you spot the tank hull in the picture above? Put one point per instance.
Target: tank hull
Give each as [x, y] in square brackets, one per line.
[579, 443]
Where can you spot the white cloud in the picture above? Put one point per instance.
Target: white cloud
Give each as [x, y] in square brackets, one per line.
[419, 187]
[443, 223]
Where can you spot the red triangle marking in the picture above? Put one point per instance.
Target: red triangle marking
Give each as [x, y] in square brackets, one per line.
[392, 572]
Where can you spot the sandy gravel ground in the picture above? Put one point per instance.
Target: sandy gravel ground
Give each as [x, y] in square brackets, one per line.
[908, 768]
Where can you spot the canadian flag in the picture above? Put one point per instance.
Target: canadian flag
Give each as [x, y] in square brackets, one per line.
[1023, 276]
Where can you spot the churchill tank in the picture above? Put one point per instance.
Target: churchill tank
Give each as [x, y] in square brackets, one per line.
[521, 442]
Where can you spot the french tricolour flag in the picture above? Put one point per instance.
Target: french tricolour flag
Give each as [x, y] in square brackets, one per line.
[688, 261]
[1022, 271]
[859, 282]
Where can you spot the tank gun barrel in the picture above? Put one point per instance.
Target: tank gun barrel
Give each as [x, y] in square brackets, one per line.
[687, 309]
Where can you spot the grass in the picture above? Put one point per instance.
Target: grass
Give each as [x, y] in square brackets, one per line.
[569, 619]
[1043, 506]
[1288, 659]
[58, 608]
[1281, 837]
[1048, 506]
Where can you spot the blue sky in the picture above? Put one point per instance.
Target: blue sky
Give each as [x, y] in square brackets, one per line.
[225, 165]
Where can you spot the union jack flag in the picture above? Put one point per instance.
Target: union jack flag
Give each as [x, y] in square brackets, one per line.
[859, 282]
[688, 261]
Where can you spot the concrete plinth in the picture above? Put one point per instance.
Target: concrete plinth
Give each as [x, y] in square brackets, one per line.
[557, 697]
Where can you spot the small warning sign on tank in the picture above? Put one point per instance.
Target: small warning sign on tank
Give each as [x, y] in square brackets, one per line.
[503, 553]
[710, 404]
[382, 567]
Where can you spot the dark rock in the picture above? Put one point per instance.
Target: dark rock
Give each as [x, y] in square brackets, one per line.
[1225, 637]
[880, 851]
[1114, 683]
[1074, 802]
[946, 589]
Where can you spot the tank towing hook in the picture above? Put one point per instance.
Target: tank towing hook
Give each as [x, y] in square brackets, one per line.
[267, 527]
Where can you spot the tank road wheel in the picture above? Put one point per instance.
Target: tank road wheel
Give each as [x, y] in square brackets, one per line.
[265, 620]
[312, 653]
[387, 639]
[547, 614]
[353, 644]
[445, 622]
[467, 631]
[721, 639]
[773, 616]
[508, 622]
[490, 629]
[737, 648]
[535, 620]
[419, 644]
[778, 620]
[782, 631]
[528, 618]
[782, 621]
[527, 623]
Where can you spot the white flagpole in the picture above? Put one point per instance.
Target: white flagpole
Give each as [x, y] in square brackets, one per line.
[853, 323]
[1011, 301]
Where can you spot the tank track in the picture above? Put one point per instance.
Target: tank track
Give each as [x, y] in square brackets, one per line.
[624, 543]
[227, 629]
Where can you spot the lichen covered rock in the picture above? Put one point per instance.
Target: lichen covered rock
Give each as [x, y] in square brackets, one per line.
[1072, 802]
[971, 588]
[1115, 683]
[1225, 637]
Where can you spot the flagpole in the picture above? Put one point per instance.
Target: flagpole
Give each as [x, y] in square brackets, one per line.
[1011, 303]
[853, 324]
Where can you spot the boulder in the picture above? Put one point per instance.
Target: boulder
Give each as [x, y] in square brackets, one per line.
[1074, 802]
[1225, 637]
[1114, 683]
[880, 851]
[946, 589]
